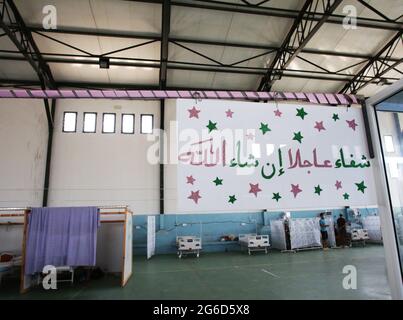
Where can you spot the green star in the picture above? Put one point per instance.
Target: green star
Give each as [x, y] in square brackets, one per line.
[335, 117]
[211, 126]
[276, 196]
[318, 190]
[301, 113]
[298, 136]
[346, 196]
[264, 127]
[232, 199]
[361, 186]
[217, 181]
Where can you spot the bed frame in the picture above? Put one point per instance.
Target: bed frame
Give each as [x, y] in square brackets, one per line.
[253, 242]
[109, 214]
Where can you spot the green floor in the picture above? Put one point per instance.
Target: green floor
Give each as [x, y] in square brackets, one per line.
[234, 275]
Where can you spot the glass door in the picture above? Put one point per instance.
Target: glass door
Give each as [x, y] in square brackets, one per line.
[389, 114]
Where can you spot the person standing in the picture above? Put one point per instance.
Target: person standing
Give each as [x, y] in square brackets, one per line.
[323, 231]
[341, 230]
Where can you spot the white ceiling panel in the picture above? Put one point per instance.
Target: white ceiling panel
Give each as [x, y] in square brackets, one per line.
[330, 63]
[148, 51]
[279, 4]
[176, 53]
[99, 14]
[225, 55]
[116, 74]
[361, 41]
[199, 24]
[235, 81]
[227, 26]
[183, 78]
[6, 43]
[78, 72]
[392, 10]
[16, 70]
[97, 45]
[133, 75]
[85, 43]
[304, 85]
[258, 29]
[371, 89]
[316, 85]
[212, 80]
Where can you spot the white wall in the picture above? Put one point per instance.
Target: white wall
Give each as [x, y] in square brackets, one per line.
[104, 169]
[23, 144]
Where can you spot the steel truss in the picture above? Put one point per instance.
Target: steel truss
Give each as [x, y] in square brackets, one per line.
[13, 25]
[376, 67]
[314, 14]
[299, 35]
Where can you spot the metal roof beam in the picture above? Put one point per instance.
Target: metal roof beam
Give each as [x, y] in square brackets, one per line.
[166, 22]
[374, 66]
[299, 35]
[115, 34]
[22, 39]
[277, 12]
[190, 66]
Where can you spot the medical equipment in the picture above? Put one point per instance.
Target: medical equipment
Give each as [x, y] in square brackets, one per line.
[254, 242]
[188, 245]
[359, 235]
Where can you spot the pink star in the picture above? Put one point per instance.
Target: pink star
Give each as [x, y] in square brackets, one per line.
[319, 125]
[295, 189]
[352, 124]
[338, 185]
[190, 179]
[229, 113]
[250, 136]
[277, 113]
[194, 196]
[194, 113]
[254, 188]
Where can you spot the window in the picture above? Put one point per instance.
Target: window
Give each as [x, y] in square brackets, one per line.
[90, 122]
[70, 122]
[109, 123]
[128, 123]
[147, 123]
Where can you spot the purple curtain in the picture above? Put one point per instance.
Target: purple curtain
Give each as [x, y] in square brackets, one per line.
[61, 237]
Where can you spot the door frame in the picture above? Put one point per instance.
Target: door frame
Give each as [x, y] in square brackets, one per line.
[393, 264]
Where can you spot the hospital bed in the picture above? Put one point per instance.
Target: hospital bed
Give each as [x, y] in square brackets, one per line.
[8, 261]
[359, 236]
[188, 245]
[253, 242]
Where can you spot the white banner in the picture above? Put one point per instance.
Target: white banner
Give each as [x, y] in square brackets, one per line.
[245, 156]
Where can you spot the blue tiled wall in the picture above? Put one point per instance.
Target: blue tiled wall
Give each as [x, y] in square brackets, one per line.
[211, 227]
